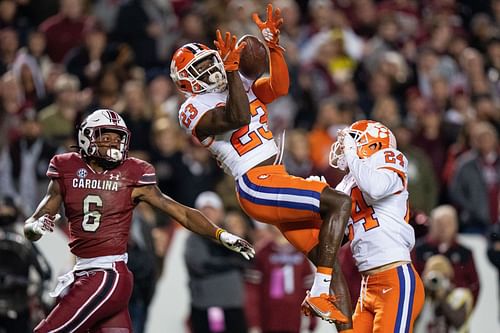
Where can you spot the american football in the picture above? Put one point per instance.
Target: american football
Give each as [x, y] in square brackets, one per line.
[253, 61]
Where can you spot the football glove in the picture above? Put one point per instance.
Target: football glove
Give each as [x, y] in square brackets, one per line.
[348, 143]
[236, 244]
[45, 223]
[270, 28]
[229, 52]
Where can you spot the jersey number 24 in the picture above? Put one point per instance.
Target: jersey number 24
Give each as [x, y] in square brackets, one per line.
[361, 211]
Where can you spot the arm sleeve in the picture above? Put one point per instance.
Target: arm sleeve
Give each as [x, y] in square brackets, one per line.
[374, 176]
[147, 175]
[53, 169]
[193, 109]
[268, 89]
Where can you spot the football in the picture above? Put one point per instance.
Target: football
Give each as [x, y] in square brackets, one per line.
[253, 60]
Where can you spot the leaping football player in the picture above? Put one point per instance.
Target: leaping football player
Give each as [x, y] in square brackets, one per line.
[227, 113]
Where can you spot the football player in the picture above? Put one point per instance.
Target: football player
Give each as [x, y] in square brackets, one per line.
[227, 113]
[392, 292]
[99, 187]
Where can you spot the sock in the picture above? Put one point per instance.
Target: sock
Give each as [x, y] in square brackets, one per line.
[321, 284]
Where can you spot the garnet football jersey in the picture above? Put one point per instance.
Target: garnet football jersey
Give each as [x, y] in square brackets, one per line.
[98, 205]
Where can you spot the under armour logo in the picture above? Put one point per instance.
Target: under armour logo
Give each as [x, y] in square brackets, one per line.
[114, 177]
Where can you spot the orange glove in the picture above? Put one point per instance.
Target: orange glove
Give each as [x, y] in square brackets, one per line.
[229, 52]
[270, 28]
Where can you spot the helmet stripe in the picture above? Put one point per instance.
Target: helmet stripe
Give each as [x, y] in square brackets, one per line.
[193, 48]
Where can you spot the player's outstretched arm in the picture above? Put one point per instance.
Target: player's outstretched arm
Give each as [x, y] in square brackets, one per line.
[45, 216]
[236, 112]
[192, 219]
[268, 89]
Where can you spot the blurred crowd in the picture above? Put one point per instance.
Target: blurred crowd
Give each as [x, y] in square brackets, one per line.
[429, 70]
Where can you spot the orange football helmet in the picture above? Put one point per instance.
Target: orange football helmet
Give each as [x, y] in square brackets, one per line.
[193, 77]
[370, 136]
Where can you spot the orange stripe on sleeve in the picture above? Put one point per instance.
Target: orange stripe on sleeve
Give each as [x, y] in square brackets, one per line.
[398, 172]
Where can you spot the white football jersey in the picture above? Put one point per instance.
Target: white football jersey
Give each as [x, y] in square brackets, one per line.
[378, 227]
[239, 150]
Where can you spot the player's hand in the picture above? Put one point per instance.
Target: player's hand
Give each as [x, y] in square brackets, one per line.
[229, 52]
[347, 142]
[270, 28]
[317, 178]
[45, 223]
[237, 244]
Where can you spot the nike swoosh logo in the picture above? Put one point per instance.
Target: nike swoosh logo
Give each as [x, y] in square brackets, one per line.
[325, 280]
[386, 290]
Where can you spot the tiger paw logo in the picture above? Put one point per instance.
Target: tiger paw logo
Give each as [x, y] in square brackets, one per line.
[377, 130]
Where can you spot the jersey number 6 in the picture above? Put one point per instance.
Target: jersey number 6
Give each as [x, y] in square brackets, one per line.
[91, 218]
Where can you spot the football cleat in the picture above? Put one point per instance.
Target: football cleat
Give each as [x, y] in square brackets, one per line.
[323, 306]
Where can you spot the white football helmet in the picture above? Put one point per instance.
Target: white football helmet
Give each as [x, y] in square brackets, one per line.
[91, 128]
[184, 72]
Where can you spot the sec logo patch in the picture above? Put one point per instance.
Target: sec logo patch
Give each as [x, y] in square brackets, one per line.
[81, 173]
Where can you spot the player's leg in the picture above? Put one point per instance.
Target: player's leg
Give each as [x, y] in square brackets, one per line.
[335, 212]
[362, 320]
[400, 300]
[311, 215]
[118, 323]
[93, 297]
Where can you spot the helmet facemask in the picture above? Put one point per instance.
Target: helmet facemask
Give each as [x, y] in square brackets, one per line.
[197, 78]
[374, 138]
[107, 154]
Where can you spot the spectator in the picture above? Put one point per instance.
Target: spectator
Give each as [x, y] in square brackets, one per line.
[59, 119]
[167, 157]
[278, 279]
[297, 155]
[64, 30]
[423, 186]
[442, 239]
[23, 163]
[9, 43]
[330, 119]
[199, 173]
[475, 188]
[137, 114]
[215, 278]
[11, 18]
[447, 308]
[144, 258]
[20, 302]
[144, 25]
[36, 47]
[29, 75]
[87, 61]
